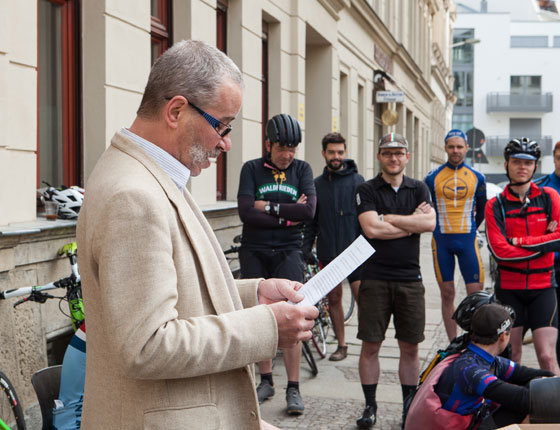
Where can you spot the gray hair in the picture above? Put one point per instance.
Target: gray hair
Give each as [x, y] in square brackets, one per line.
[189, 68]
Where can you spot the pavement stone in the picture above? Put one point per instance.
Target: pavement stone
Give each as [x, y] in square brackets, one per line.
[334, 400]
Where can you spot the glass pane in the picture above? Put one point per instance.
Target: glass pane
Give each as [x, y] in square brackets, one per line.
[50, 93]
[155, 51]
[534, 85]
[154, 6]
[515, 84]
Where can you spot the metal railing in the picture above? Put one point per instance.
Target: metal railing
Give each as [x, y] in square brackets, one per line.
[511, 102]
[494, 145]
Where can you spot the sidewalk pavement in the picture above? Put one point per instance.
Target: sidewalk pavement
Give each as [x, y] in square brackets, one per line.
[334, 400]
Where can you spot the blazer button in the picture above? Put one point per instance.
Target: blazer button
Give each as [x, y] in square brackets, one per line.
[253, 415]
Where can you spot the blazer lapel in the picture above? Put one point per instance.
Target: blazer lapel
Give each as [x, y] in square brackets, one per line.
[211, 259]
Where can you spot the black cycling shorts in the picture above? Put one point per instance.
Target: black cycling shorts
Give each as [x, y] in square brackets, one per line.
[271, 264]
[533, 308]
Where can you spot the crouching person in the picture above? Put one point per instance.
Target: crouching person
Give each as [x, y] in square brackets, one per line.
[476, 388]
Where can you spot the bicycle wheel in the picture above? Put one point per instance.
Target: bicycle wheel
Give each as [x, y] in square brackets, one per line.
[349, 313]
[319, 338]
[11, 414]
[306, 352]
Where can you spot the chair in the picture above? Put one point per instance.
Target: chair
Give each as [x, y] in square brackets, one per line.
[46, 383]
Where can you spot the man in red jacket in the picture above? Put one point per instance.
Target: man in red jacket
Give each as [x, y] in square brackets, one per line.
[521, 225]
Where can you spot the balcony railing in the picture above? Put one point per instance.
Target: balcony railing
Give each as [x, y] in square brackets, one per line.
[494, 146]
[511, 102]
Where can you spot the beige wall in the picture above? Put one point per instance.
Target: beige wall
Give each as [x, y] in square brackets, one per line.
[18, 110]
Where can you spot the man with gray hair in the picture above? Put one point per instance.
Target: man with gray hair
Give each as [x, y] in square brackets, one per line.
[171, 335]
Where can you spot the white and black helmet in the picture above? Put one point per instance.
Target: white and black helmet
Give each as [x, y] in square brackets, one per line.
[69, 200]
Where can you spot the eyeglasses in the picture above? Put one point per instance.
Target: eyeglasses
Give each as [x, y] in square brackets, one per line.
[221, 128]
[389, 155]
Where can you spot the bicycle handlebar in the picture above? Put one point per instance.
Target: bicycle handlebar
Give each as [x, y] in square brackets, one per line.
[232, 250]
[27, 290]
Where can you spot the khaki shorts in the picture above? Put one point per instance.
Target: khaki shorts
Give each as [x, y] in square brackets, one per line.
[378, 300]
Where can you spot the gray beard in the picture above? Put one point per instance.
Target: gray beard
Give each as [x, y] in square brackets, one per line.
[200, 156]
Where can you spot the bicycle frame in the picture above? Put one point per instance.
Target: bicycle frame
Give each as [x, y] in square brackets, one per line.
[71, 283]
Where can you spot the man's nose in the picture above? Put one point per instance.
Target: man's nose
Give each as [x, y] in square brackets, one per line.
[225, 143]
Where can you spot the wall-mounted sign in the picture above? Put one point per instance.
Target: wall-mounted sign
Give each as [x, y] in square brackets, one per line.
[389, 97]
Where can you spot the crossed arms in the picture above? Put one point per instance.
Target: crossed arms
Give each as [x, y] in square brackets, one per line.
[391, 226]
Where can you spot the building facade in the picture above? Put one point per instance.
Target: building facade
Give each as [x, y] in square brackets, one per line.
[73, 72]
[506, 84]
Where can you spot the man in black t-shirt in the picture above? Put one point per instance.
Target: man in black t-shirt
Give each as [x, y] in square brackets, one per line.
[393, 210]
[276, 194]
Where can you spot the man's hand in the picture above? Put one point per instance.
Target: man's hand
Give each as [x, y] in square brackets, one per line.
[278, 290]
[423, 208]
[551, 228]
[302, 199]
[294, 323]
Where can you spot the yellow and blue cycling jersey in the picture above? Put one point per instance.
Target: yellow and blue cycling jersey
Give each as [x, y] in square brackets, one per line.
[459, 196]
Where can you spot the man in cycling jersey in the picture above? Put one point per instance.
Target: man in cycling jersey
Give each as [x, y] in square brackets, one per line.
[553, 181]
[276, 195]
[459, 195]
[336, 224]
[171, 335]
[476, 385]
[521, 225]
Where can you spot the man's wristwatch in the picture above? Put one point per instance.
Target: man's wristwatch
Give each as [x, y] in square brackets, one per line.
[267, 207]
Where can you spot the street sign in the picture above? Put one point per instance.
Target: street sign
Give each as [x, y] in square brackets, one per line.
[389, 97]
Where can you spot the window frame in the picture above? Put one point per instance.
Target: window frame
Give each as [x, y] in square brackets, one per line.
[72, 165]
[160, 27]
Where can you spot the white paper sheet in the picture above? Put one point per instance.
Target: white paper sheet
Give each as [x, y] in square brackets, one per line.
[336, 271]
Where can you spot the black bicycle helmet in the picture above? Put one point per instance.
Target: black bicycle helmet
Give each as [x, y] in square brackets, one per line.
[284, 129]
[522, 148]
[464, 312]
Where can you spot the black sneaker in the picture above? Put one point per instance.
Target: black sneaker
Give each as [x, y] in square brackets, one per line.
[368, 418]
[264, 391]
[294, 401]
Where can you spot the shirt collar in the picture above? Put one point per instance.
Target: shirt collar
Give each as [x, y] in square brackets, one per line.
[451, 166]
[480, 352]
[177, 171]
[380, 182]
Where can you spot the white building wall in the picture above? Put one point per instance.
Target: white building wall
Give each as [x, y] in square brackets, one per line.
[495, 61]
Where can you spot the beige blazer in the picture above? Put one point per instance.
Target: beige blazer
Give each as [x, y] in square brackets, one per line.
[166, 347]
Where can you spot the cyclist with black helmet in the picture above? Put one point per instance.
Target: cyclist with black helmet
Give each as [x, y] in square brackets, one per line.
[475, 387]
[522, 236]
[276, 195]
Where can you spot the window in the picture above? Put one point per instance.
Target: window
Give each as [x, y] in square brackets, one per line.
[462, 121]
[59, 145]
[161, 27]
[525, 84]
[221, 44]
[463, 54]
[529, 42]
[556, 41]
[463, 87]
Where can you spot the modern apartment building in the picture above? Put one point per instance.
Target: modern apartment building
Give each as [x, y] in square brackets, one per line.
[506, 84]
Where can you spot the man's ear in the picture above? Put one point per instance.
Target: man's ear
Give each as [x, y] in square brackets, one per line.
[174, 111]
[267, 145]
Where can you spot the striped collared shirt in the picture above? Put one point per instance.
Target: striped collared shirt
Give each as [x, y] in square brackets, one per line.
[170, 165]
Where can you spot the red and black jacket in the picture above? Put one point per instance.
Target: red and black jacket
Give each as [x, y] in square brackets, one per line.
[529, 264]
